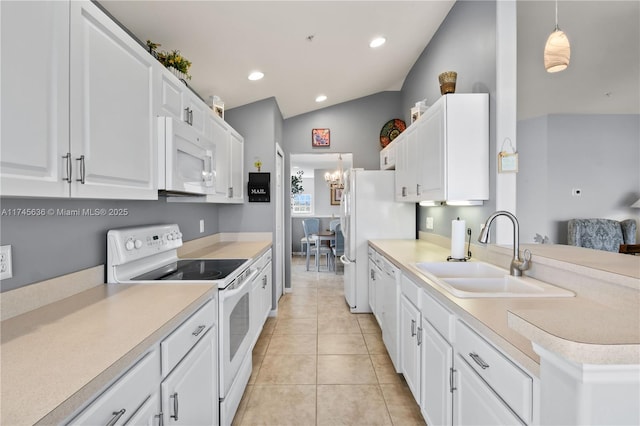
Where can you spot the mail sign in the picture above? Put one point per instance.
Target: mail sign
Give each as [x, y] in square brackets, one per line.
[258, 187]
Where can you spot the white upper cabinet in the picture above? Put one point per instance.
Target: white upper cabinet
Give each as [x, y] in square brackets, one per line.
[113, 132]
[76, 105]
[444, 156]
[35, 98]
[174, 99]
[236, 189]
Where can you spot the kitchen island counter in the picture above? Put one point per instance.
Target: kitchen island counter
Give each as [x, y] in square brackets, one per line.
[584, 329]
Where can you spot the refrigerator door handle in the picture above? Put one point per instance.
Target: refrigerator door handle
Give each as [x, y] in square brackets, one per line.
[346, 261]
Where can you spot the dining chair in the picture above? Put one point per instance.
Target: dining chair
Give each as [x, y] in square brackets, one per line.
[312, 226]
[338, 249]
[332, 228]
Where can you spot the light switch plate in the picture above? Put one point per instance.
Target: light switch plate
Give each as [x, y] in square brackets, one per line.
[6, 269]
[201, 226]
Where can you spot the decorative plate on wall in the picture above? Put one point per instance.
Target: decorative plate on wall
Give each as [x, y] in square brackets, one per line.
[391, 130]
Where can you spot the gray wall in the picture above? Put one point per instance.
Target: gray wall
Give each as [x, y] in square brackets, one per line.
[258, 124]
[50, 246]
[465, 43]
[598, 154]
[355, 127]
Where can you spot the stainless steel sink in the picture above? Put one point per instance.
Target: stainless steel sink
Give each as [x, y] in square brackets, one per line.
[478, 279]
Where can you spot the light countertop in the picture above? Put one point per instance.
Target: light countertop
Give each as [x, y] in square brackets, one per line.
[55, 358]
[578, 328]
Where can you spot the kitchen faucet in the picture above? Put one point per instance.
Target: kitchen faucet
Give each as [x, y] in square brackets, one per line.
[517, 265]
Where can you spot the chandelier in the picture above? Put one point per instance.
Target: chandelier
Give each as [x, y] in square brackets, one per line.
[334, 180]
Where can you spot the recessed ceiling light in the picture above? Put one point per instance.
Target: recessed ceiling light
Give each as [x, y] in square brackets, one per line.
[321, 98]
[256, 75]
[377, 42]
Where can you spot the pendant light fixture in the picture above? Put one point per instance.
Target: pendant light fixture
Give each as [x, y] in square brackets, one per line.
[557, 51]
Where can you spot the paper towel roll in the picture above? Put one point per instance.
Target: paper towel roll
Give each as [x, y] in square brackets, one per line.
[458, 228]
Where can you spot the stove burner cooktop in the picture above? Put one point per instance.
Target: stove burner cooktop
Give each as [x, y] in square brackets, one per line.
[193, 270]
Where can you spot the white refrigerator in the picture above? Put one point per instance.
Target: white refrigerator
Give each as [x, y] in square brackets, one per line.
[368, 211]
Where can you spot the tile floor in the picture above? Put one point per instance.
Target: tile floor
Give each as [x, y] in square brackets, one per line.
[318, 364]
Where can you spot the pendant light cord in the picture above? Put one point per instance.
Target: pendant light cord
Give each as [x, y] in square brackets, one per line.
[557, 28]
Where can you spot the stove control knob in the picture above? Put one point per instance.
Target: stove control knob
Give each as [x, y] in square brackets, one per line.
[129, 245]
[138, 244]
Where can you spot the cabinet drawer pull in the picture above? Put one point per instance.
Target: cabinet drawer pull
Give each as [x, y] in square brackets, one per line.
[199, 330]
[419, 336]
[413, 328]
[116, 417]
[175, 406]
[82, 167]
[478, 360]
[264, 281]
[68, 167]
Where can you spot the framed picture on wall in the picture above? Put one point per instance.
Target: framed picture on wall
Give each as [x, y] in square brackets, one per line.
[320, 138]
[336, 196]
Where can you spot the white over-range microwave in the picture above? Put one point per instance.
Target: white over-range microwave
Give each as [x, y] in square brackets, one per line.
[186, 159]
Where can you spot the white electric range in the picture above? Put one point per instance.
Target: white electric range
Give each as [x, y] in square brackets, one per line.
[148, 254]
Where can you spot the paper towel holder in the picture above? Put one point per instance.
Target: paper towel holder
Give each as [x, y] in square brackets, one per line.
[464, 259]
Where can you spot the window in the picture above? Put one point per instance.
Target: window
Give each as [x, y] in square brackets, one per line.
[301, 204]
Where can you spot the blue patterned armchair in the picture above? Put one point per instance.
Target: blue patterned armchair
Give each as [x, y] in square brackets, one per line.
[601, 234]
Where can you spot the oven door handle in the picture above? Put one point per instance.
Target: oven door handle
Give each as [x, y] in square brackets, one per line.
[241, 288]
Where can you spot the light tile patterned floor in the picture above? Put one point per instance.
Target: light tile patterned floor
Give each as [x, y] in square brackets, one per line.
[318, 364]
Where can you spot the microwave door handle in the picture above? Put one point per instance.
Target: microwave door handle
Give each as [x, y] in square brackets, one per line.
[209, 170]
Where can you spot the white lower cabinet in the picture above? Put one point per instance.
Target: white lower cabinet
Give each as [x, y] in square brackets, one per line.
[436, 400]
[126, 395]
[455, 375]
[475, 403]
[189, 393]
[410, 341]
[180, 390]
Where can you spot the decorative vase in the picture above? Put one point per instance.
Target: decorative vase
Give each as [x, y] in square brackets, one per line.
[447, 82]
[181, 76]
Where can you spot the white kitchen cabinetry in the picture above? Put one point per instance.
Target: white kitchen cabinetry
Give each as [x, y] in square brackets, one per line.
[176, 380]
[126, 395]
[388, 288]
[236, 189]
[436, 393]
[174, 99]
[446, 152]
[189, 393]
[388, 157]
[410, 341]
[77, 119]
[461, 380]
[475, 403]
[35, 98]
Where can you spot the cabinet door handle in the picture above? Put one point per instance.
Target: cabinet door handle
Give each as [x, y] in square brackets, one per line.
[373, 274]
[68, 167]
[419, 336]
[186, 115]
[175, 406]
[199, 330]
[404, 191]
[474, 356]
[116, 417]
[82, 169]
[264, 281]
[413, 328]
[452, 385]
[191, 117]
[385, 160]
[418, 191]
[230, 192]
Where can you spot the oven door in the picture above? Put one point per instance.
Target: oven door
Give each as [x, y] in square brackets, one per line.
[188, 164]
[234, 329]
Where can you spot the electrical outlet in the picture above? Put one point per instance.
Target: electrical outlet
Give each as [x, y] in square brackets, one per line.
[6, 269]
[429, 223]
[201, 226]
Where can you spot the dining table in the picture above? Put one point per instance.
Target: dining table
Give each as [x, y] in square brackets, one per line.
[326, 238]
